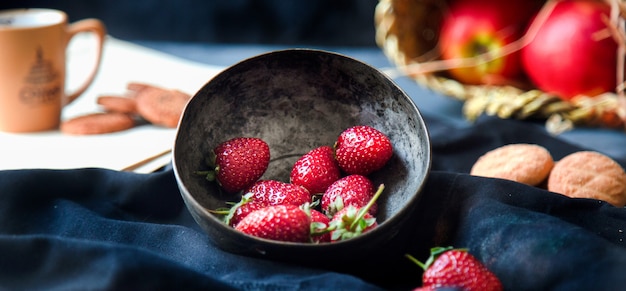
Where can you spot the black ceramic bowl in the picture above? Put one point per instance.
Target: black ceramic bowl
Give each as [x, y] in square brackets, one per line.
[297, 100]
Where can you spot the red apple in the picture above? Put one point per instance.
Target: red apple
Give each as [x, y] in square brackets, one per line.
[474, 27]
[565, 59]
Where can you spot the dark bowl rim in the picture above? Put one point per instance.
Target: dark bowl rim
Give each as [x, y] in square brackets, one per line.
[389, 223]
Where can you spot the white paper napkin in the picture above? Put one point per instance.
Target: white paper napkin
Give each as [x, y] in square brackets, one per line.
[122, 62]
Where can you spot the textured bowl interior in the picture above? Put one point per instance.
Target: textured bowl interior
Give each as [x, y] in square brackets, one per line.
[297, 100]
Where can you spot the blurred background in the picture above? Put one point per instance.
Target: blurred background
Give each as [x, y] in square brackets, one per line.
[280, 22]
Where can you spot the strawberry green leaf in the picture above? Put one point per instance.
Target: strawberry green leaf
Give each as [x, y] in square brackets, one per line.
[319, 228]
[435, 252]
[365, 209]
[244, 199]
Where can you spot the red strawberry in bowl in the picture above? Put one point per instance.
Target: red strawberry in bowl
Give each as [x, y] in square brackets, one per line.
[240, 210]
[239, 162]
[356, 190]
[272, 192]
[265, 193]
[353, 221]
[350, 222]
[278, 222]
[316, 170]
[362, 150]
[456, 268]
[319, 225]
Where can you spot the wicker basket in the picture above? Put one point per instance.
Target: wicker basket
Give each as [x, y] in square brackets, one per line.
[406, 31]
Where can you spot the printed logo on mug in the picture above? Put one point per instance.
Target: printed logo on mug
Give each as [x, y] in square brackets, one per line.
[33, 45]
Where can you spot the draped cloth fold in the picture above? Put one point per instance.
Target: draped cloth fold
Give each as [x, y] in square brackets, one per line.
[97, 229]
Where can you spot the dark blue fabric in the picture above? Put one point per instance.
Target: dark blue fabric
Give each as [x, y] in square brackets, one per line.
[97, 229]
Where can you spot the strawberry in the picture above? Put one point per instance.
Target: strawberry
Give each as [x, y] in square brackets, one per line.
[278, 222]
[272, 192]
[349, 222]
[316, 170]
[240, 210]
[356, 190]
[362, 150]
[265, 193]
[457, 268]
[239, 162]
[353, 221]
[319, 224]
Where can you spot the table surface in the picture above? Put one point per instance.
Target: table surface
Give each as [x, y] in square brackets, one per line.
[122, 63]
[187, 67]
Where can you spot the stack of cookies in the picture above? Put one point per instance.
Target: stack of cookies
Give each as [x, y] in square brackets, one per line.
[143, 103]
[585, 174]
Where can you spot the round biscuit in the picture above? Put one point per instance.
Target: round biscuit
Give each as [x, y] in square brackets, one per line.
[589, 174]
[161, 107]
[136, 87]
[118, 104]
[524, 163]
[97, 123]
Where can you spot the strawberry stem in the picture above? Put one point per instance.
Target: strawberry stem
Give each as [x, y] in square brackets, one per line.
[244, 199]
[209, 175]
[219, 211]
[319, 228]
[210, 160]
[365, 209]
[416, 261]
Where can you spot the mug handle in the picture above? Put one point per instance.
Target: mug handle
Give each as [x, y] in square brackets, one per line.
[96, 27]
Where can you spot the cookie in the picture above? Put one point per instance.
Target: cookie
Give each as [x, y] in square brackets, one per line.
[589, 174]
[97, 123]
[136, 87]
[160, 106]
[118, 104]
[524, 163]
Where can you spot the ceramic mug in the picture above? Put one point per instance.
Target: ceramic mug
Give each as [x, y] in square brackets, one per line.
[33, 45]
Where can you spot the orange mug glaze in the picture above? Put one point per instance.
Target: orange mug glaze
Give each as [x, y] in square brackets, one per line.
[33, 44]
